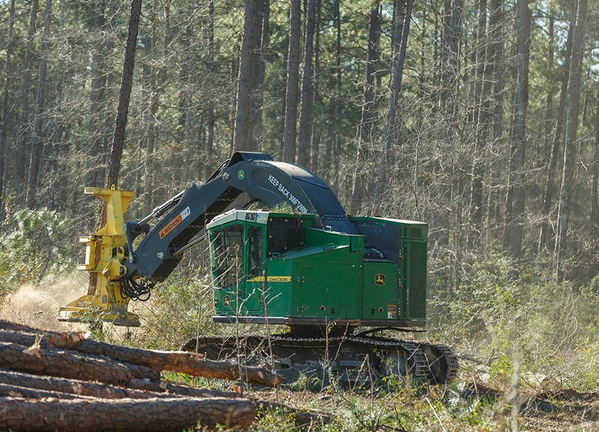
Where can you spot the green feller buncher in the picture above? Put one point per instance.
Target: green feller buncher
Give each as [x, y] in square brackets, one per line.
[335, 281]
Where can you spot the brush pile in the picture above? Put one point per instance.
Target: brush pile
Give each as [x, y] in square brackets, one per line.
[62, 381]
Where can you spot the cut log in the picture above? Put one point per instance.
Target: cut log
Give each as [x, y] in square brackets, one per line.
[138, 389]
[175, 361]
[9, 325]
[16, 391]
[64, 364]
[125, 414]
[174, 389]
[43, 341]
[64, 385]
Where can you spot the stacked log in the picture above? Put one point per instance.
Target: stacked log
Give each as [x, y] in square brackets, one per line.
[62, 381]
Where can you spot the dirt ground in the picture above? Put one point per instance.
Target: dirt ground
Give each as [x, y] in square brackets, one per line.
[546, 411]
[562, 410]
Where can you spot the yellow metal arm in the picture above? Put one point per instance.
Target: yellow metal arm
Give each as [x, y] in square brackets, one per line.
[104, 255]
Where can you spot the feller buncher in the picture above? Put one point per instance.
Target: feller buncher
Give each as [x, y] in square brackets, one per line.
[335, 281]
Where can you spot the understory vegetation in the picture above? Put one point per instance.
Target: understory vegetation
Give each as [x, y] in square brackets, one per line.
[525, 343]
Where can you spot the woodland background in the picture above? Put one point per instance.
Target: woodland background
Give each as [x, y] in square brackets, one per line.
[480, 117]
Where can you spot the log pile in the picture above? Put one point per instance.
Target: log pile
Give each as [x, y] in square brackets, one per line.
[62, 381]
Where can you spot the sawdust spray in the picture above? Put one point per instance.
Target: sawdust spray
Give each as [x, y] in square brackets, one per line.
[37, 305]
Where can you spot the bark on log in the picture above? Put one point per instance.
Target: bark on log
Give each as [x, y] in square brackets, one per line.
[9, 325]
[125, 414]
[175, 361]
[179, 389]
[43, 341]
[16, 391]
[64, 385]
[138, 389]
[64, 364]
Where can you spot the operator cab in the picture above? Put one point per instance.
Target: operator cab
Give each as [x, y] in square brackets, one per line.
[282, 268]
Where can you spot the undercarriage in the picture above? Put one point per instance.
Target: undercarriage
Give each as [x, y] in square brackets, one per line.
[354, 361]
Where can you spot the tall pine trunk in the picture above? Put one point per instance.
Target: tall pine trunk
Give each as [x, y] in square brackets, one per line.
[439, 218]
[37, 144]
[480, 120]
[118, 141]
[307, 99]
[497, 76]
[594, 225]
[556, 139]
[515, 193]
[248, 86]
[24, 116]
[368, 116]
[210, 117]
[4, 114]
[570, 132]
[292, 85]
[391, 135]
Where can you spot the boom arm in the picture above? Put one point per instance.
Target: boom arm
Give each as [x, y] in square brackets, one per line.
[132, 273]
[187, 214]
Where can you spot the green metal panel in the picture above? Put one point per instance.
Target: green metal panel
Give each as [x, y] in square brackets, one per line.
[403, 242]
[414, 269]
[322, 290]
[330, 277]
[325, 282]
[275, 287]
[380, 291]
[415, 278]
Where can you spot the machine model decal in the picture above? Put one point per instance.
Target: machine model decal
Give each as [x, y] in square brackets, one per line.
[271, 279]
[174, 223]
[285, 192]
[379, 279]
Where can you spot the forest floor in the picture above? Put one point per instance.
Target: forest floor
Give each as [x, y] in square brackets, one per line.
[473, 407]
[471, 403]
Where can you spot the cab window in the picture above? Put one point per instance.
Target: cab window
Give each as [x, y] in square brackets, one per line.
[228, 254]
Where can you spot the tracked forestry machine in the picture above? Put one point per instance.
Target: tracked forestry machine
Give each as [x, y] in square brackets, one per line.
[335, 281]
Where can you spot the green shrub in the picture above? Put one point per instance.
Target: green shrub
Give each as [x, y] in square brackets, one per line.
[179, 309]
[35, 243]
[550, 329]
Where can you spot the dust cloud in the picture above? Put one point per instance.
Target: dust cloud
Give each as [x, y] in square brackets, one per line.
[37, 305]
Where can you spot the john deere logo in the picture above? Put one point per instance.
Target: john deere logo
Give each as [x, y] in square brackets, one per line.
[379, 279]
[240, 175]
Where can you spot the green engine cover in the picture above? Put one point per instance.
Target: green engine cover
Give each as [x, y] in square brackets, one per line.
[281, 268]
